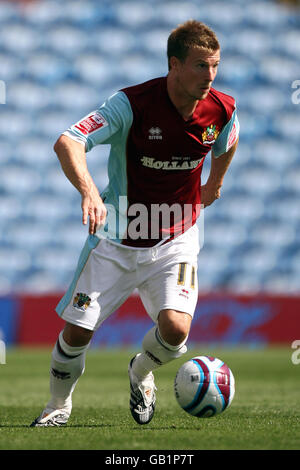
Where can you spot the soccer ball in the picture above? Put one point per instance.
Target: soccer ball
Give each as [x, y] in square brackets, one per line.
[204, 386]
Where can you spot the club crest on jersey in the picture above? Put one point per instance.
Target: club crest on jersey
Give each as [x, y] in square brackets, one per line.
[210, 134]
[81, 301]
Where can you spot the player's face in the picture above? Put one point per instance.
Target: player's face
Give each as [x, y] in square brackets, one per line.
[196, 74]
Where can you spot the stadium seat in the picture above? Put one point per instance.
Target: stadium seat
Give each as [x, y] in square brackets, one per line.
[278, 154]
[276, 15]
[285, 125]
[43, 14]
[172, 13]
[42, 282]
[11, 67]
[49, 208]
[278, 69]
[253, 42]
[275, 235]
[66, 40]
[19, 124]
[258, 180]
[154, 42]
[76, 96]
[285, 206]
[253, 126]
[225, 235]
[270, 99]
[134, 14]
[258, 260]
[212, 265]
[55, 121]
[36, 152]
[72, 235]
[47, 68]
[8, 13]
[291, 179]
[242, 206]
[18, 260]
[29, 96]
[10, 35]
[55, 260]
[138, 67]
[285, 39]
[282, 284]
[10, 208]
[93, 69]
[113, 41]
[237, 69]
[20, 180]
[243, 282]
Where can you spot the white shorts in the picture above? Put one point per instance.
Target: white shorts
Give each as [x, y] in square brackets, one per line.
[107, 273]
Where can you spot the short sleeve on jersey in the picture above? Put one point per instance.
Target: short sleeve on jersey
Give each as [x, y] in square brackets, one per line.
[100, 126]
[227, 137]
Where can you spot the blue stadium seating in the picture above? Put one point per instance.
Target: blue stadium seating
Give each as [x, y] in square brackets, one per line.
[60, 60]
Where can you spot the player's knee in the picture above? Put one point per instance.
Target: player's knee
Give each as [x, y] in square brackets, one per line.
[175, 335]
[174, 326]
[76, 335]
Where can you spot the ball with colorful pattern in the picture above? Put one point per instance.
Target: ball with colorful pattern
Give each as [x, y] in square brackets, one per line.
[204, 386]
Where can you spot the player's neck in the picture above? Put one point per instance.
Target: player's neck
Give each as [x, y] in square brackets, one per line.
[184, 104]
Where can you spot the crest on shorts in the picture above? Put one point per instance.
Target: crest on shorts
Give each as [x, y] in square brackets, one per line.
[210, 134]
[81, 301]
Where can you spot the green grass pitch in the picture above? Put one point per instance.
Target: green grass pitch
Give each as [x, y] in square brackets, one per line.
[264, 414]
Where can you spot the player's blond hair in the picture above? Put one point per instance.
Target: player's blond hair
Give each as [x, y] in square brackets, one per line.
[188, 35]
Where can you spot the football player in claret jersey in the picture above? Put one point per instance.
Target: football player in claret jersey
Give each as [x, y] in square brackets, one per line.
[159, 132]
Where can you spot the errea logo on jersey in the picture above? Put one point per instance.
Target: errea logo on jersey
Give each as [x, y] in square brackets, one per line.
[155, 133]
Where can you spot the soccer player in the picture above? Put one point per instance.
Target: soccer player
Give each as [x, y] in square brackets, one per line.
[160, 132]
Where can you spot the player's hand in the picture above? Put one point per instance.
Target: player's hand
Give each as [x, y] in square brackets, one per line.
[93, 209]
[209, 193]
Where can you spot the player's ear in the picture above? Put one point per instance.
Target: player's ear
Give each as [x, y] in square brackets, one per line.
[174, 63]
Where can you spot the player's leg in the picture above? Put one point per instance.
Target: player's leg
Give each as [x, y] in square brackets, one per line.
[173, 292]
[67, 365]
[174, 326]
[100, 285]
[169, 292]
[164, 342]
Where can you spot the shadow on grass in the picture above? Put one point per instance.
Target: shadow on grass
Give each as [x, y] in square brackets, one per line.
[99, 426]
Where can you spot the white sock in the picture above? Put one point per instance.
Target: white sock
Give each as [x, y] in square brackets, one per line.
[156, 352]
[67, 365]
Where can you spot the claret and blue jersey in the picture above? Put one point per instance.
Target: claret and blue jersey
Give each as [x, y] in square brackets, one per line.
[156, 157]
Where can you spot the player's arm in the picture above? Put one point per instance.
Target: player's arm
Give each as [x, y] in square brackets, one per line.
[99, 127]
[222, 153]
[219, 166]
[72, 157]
